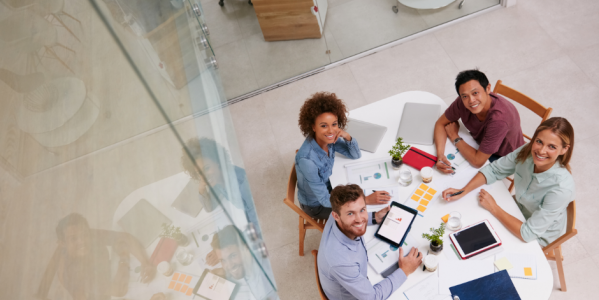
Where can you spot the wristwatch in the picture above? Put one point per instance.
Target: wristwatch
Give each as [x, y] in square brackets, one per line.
[457, 140]
[373, 218]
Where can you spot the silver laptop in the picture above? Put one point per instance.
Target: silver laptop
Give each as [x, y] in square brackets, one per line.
[368, 135]
[417, 125]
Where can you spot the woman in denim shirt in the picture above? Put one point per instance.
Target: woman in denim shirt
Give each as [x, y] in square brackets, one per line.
[322, 119]
[544, 184]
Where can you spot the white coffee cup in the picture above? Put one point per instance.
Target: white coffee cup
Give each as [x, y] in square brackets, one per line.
[165, 268]
[431, 262]
[427, 174]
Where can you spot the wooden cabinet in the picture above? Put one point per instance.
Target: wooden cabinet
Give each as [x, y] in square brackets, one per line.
[291, 19]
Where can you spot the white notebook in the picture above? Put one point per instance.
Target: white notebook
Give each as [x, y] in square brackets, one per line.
[523, 265]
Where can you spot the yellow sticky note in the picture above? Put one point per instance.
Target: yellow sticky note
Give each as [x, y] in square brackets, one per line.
[421, 208]
[527, 271]
[184, 289]
[189, 292]
[503, 264]
[175, 276]
[415, 197]
[432, 191]
[428, 197]
[178, 286]
[423, 186]
[182, 277]
[424, 202]
[419, 192]
[445, 218]
[188, 279]
[171, 285]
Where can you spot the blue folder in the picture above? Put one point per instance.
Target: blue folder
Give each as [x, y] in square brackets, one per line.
[497, 286]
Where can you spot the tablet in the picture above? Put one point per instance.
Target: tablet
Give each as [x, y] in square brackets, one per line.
[396, 224]
[475, 239]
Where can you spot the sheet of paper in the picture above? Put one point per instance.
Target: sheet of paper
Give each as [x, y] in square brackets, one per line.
[503, 264]
[452, 273]
[391, 190]
[371, 173]
[427, 289]
[381, 255]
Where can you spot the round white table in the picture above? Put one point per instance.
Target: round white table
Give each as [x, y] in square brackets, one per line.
[387, 112]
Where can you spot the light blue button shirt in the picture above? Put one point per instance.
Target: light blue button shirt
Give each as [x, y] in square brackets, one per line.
[542, 197]
[314, 167]
[343, 267]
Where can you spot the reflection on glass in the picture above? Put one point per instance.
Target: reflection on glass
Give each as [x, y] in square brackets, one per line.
[81, 261]
[98, 99]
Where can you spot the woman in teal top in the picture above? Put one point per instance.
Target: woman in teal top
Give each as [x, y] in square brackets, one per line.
[544, 184]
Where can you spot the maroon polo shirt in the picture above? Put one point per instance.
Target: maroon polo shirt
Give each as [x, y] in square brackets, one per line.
[499, 133]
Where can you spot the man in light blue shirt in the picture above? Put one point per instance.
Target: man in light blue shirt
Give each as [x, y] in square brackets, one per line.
[342, 259]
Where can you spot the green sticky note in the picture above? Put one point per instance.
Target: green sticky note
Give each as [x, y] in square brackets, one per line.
[503, 264]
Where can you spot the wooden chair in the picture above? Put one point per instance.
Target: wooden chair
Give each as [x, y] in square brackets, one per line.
[534, 106]
[320, 291]
[553, 251]
[305, 221]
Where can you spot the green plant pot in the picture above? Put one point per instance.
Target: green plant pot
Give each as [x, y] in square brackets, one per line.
[396, 163]
[436, 248]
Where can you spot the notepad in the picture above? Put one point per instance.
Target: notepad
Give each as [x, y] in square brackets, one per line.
[524, 265]
[427, 289]
[503, 264]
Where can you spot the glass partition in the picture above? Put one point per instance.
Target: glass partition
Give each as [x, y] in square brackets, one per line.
[120, 173]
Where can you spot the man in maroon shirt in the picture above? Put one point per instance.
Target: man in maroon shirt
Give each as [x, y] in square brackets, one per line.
[492, 120]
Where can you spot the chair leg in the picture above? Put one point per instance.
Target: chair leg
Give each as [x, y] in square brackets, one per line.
[65, 26]
[560, 267]
[302, 236]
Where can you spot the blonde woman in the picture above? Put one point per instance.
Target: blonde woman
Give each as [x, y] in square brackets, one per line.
[543, 182]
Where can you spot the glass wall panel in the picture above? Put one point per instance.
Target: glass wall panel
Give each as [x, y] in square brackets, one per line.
[120, 174]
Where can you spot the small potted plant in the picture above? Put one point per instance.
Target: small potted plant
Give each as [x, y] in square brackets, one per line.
[170, 231]
[396, 153]
[436, 238]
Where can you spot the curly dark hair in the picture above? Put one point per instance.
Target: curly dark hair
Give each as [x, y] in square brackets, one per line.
[342, 194]
[318, 104]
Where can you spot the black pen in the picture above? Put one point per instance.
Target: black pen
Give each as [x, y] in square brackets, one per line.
[382, 191]
[451, 195]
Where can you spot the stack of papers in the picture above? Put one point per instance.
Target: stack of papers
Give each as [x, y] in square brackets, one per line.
[517, 265]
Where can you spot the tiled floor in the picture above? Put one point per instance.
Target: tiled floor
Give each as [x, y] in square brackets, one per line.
[545, 49]
[352, 26]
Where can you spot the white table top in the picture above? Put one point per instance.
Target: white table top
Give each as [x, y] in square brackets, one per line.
[387, 112]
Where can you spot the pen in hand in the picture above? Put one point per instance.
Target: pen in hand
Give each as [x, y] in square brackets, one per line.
[382, 193]
[455, 194]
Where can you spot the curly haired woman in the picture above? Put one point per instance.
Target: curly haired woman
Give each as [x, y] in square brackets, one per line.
[322, 119]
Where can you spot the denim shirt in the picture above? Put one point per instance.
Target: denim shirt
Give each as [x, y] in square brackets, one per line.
[343, 267]
[543, 198]
[314, 167]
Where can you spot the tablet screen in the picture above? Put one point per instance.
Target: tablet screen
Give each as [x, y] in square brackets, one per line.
[475, 238]
[396, 224]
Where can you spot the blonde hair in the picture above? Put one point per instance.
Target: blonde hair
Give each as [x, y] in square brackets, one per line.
[560, 127]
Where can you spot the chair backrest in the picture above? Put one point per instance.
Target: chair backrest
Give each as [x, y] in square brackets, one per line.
[570, 228]
[323, 296]
[290, 201]
[534, 106]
